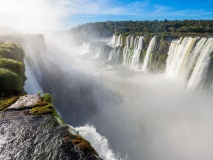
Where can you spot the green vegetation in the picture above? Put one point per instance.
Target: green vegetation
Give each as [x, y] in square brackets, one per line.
[41, 103]
[10, 81]
[12, 70]
[12, 65]
[44, 106]
[11, 51]
[81, 143]
[43, 110]
[47, 97]
[164, 28]
[7, 101]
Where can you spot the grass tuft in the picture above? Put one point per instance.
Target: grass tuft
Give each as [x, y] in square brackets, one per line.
[81, 143]
[7, 101]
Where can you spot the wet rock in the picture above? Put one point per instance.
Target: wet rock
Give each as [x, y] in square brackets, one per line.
[27, 101]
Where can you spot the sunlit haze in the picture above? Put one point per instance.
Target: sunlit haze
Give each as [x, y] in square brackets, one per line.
[63, 14]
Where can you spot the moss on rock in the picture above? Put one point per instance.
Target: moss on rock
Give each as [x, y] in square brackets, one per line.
[10, 80]
[11, 68]
[7, 101]
[14, 66]
[11, 51]
[82, 144]
[42, 110]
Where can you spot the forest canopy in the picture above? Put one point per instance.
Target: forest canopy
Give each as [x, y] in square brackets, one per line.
[167, 27]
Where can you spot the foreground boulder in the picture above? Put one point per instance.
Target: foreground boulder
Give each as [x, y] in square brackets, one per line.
[32, 130]
[29, 125]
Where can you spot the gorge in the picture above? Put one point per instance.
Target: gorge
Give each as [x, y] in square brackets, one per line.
[132, 96]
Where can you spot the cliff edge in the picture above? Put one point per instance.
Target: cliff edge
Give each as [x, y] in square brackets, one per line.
[29, 125]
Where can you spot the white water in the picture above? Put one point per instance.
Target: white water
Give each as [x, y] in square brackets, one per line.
[126, 50]
[85, 47]
[119, 42]
[97, 52]
[155, 120]
[148, 53]
[99, 142]
[111, 55]
[200, 69]
[132, 50]
[188, 60]
[114, 40]
[179, 56]
[137, 51]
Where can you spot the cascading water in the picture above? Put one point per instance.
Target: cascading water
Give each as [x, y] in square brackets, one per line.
[156, 127]
[188, 59]
[200, 70]
[114, 40]
[178, 56]
[119, 42]
[111, 55]
[100, 143]
[126, 50]
[198, 49]
[137, 51]
[97, 52]
[86, 47]
[148, 53]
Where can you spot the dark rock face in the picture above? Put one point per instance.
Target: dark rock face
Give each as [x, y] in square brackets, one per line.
[26, 136]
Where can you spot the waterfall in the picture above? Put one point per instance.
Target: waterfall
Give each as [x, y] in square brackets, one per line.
[97, 52]
[189, 59]
[190, 63]
[179, 55]
[137, 51]
[126, 50]
[119, 42]
[111, 55]
[86, 47]
[100, 143]
[148, 52]
[132, 42]
[184, 56]
[200, 70]
[114, 40]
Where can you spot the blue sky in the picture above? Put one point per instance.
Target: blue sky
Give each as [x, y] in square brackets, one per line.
[103, 10]
[64, 14]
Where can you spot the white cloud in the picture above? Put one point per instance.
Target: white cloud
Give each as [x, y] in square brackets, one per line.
[34, 14]
[48, 14]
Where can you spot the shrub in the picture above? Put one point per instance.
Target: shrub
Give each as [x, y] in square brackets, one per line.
[12, 65]
[47, 97]
[10, 81]
[11, 51]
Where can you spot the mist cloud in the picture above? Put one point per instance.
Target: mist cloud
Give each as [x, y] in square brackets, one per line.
[32, 14]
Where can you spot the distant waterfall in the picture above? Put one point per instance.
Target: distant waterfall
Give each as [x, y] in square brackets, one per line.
[127, 50]
[114, 40]
[188, 59]
[132, 51]
[148, 53]
[137, 51]
[119, 41]
[111, 55]
[86, 47]
[179, 54]
[200, 69]
[97, 52]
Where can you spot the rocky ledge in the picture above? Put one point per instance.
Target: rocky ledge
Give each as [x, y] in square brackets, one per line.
[31, 129]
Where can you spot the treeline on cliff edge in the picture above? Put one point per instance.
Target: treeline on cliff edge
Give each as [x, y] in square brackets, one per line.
[166, 27]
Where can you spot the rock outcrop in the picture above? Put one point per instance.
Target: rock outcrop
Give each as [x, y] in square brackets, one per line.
[29, 125]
